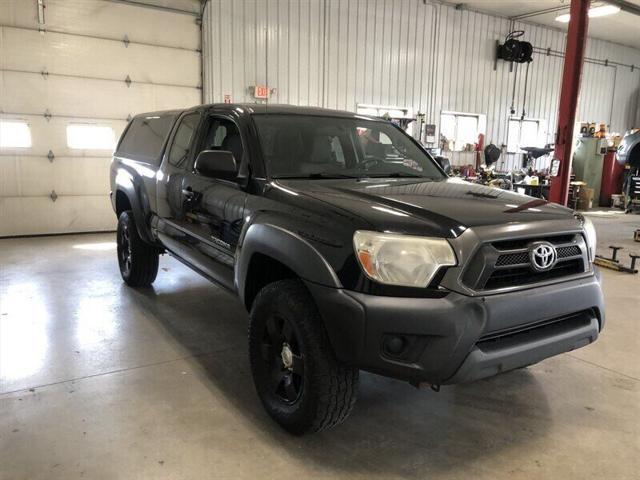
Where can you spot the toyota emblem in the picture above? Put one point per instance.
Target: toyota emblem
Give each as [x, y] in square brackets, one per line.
[542, 256]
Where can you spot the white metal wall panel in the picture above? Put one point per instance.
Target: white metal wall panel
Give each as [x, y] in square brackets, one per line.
[425, 56]
[82, 50]
[296, 50]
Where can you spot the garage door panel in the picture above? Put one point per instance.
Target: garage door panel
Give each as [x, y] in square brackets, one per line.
[37, 215]
[90, 97]
[52, 135]
[9, 168]
[68, 55]
[83, 50]
[37, 176]
[110, 20]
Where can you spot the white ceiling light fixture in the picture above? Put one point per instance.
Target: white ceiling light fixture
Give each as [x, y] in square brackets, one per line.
[603, 11]
[594, 12]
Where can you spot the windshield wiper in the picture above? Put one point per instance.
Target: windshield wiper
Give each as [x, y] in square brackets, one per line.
[315, 176]
[393, 175]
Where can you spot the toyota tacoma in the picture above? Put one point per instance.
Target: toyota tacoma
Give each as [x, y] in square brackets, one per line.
[352, 250]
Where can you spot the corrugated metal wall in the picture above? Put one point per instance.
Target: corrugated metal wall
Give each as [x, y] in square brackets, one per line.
[428, 57]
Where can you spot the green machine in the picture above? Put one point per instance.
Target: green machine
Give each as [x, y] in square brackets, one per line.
[588, 159]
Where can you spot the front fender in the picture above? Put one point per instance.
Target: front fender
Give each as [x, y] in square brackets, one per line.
[286, 247]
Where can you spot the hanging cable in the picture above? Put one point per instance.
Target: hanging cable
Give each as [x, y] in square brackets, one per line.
[513, 95]
[524, 96]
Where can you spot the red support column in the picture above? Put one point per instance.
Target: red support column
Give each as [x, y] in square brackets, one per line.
[573, 60]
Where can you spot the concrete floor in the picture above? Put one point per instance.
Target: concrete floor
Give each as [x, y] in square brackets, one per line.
[101, 381]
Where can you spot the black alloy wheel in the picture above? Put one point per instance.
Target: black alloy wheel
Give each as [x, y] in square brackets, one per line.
[138, 261]
[284, 359]
[124, 250]
[300, 382]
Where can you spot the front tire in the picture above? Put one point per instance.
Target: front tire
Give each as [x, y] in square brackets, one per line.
[138, 261]
[300, 382]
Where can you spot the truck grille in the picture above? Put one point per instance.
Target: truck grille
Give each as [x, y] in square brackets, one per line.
[510, 277]
[506, 264]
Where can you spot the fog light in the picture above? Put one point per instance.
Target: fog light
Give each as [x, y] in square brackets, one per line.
[394, 345]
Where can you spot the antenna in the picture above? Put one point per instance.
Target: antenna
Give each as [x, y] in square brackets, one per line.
[266, 60]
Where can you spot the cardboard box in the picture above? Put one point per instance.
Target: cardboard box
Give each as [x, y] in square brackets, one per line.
[585, 198]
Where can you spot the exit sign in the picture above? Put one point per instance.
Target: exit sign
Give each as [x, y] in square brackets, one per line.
[261, 91]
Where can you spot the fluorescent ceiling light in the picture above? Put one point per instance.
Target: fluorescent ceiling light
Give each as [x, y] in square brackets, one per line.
[601, 11]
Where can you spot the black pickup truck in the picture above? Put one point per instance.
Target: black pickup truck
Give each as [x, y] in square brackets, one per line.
[351, 249]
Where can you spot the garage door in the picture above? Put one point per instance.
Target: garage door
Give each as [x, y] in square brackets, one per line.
[71, 74]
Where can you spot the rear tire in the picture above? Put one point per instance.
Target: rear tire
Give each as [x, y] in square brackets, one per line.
[138, 261]
[300, 382]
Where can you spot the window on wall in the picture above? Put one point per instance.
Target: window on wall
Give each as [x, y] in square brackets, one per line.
[528, 132]
[15, 134]
[382, 111]
[461, 129]
[90, 137]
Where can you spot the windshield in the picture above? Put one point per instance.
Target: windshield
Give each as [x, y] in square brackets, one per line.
[305, 146]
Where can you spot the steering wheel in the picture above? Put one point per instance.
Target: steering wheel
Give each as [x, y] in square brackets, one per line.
[370, 162]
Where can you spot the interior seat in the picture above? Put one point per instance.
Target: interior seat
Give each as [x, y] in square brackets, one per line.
[321, 157]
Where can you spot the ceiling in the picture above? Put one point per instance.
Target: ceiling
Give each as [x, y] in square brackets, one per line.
[192, 6]
[621, 28]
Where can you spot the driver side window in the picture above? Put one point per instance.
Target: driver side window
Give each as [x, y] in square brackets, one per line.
[223, 134]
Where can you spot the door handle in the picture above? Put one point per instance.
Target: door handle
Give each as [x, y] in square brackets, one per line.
[188, 193]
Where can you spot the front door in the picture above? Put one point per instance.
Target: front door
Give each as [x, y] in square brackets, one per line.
[213, 209]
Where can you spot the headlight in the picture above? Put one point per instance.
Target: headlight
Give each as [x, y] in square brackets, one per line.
[401, 259]
[590, 235]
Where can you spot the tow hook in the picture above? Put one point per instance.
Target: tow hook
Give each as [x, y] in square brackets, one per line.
[424, 385]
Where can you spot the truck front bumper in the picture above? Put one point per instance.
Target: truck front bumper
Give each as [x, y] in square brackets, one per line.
[459, 338]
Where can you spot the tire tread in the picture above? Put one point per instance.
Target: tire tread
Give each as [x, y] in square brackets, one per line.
[334, 383]
[146, 258]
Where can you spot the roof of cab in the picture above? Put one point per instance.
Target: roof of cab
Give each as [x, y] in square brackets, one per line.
[160, 113]
[262, 108]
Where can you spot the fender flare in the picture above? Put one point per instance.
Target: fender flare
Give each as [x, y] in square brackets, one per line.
[136, 194]
[630, 144]
[286, 247]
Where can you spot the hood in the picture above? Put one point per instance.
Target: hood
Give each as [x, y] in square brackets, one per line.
[444, 207]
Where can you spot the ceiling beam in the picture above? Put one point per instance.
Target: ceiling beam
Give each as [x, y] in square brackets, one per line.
[626, 6]
[535, 13]
[153, 6]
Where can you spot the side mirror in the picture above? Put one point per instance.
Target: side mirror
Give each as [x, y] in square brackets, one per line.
[216, 164]
[444, 163]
